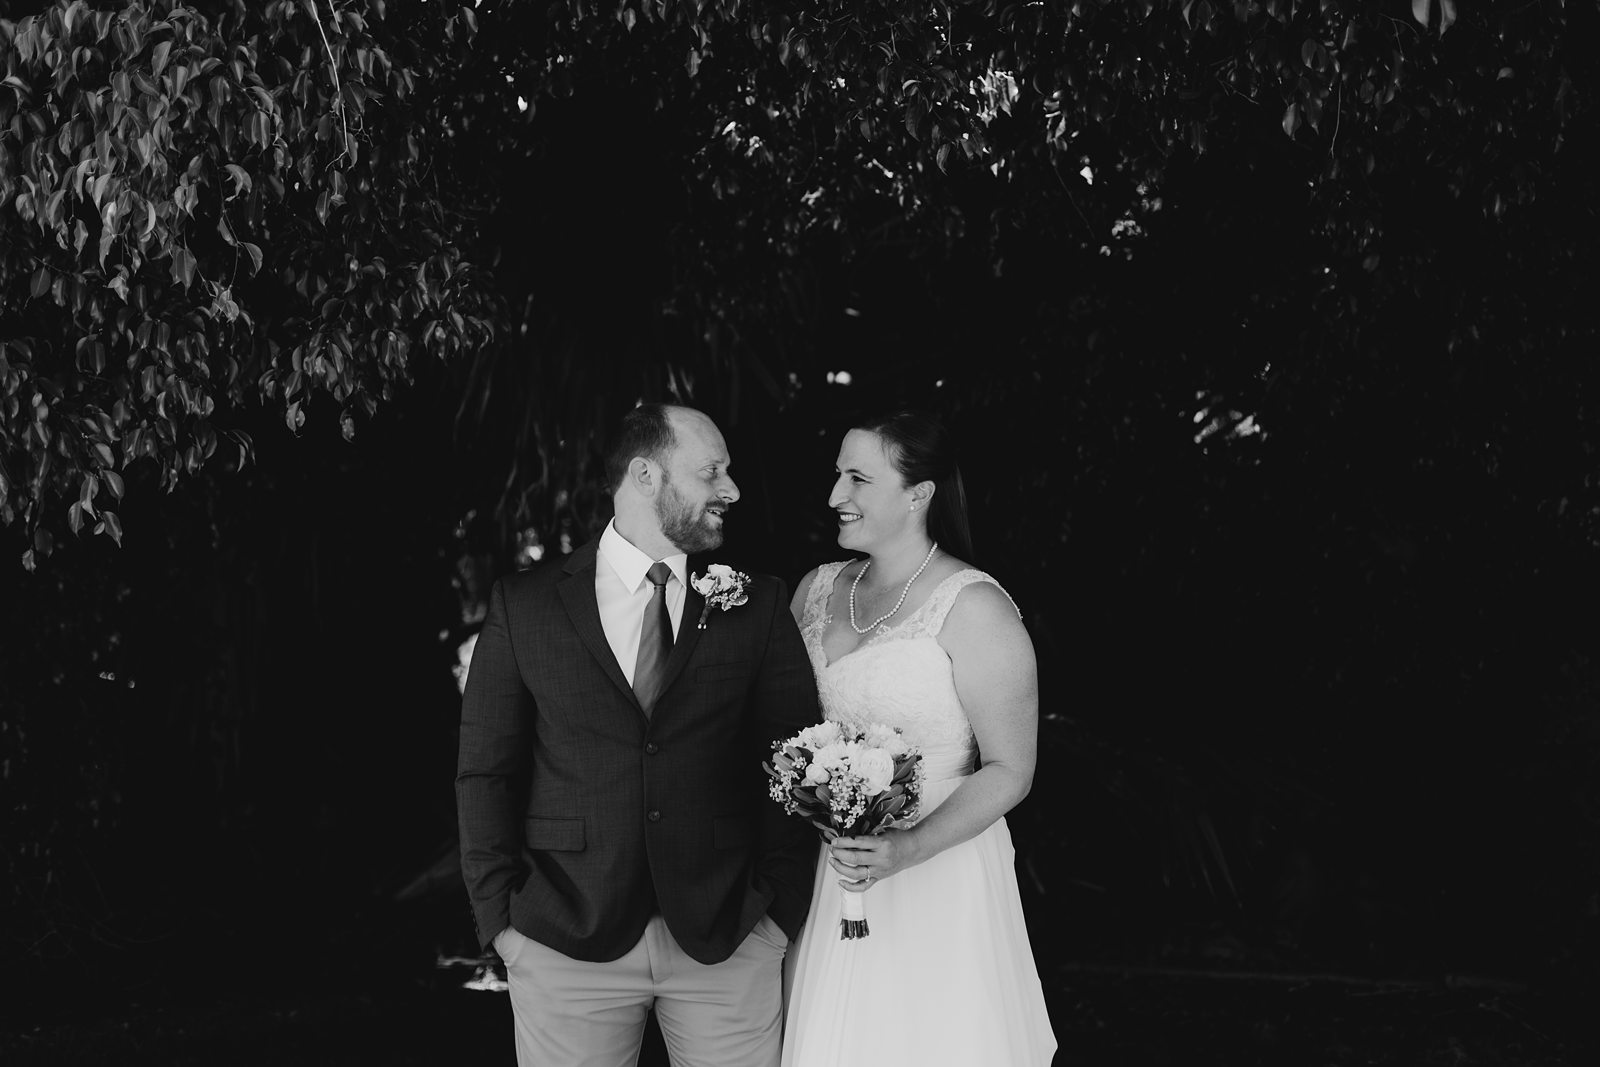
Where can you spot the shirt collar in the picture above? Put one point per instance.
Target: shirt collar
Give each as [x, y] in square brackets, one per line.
[629, 564]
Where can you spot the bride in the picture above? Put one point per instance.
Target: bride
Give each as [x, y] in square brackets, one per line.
[912, 636]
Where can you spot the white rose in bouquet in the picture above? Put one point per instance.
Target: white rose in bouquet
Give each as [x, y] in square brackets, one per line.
[887, 737]
[819, 736]
[833, 757]
[875, 767]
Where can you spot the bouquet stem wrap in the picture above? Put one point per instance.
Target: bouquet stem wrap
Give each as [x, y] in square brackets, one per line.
[852, 915]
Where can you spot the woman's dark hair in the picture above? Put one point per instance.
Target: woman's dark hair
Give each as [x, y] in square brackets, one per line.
[923, 452]
[645, 431]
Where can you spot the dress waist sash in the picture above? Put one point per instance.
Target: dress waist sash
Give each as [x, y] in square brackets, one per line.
[940, 762]
[944, 766]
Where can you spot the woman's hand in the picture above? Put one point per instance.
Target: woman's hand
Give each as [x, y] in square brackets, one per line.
[865, 861]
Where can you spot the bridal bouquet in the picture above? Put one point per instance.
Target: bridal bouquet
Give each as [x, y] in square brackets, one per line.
[850, 781]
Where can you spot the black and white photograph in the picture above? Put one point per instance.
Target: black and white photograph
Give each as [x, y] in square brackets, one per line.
[809, 533]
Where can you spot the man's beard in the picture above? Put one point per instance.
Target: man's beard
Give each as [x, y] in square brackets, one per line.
[684, 524]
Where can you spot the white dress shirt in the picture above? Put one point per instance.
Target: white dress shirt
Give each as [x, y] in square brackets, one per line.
[623, 592]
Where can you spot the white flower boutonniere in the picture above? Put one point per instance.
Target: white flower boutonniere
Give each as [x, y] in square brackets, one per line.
[722, 586]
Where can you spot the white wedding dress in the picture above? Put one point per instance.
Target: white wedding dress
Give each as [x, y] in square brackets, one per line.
[946, 974]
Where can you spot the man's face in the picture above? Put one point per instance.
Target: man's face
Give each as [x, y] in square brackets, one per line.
[696, 489]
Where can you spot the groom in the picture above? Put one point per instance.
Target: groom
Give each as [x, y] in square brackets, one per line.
[616, 838]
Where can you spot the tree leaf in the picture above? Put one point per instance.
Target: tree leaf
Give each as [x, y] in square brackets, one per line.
[1447, 15]
[182, 267]
[241, 179]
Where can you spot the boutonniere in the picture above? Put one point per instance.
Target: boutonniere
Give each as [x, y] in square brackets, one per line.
[722, 586]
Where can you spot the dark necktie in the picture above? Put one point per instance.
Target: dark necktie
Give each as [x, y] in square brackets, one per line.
[655, 640]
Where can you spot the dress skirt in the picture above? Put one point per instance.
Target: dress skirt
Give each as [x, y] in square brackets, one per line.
[945, 975]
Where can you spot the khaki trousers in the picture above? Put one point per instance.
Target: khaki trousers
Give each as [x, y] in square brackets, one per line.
[572, 1013]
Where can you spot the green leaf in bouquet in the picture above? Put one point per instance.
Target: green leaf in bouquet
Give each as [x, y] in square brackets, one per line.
[806, 800]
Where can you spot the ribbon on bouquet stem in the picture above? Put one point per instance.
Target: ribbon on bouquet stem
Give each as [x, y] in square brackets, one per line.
[852, 915]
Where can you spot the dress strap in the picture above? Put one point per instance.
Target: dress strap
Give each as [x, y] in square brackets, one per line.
[816, 605]
[932, 616]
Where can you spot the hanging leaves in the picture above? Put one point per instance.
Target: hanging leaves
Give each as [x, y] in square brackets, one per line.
[195, 192]
[153, 155]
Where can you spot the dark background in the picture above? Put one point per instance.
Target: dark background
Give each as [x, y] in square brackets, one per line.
[1310, 566]
[1329, 714]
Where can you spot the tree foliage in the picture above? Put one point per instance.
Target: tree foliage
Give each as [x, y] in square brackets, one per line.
[783, 160]
[209, 202]
[203, 204]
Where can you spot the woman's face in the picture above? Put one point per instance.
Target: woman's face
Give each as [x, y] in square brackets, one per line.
[870, 498]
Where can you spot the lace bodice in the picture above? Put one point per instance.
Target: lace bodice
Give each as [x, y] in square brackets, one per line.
[900, 675]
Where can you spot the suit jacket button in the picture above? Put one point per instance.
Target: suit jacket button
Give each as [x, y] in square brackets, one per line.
[653, 815]
[651, 747]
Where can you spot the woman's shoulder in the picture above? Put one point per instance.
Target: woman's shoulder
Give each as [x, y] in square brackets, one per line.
[945, 566]
[973, 596]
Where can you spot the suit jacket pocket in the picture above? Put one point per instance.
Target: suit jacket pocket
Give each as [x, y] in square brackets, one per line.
[723, 672]
[732, 831]
[554, 835]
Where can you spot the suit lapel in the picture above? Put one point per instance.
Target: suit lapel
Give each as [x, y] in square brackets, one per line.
[577, 595]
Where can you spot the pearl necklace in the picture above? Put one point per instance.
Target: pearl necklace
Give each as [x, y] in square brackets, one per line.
[884, 618]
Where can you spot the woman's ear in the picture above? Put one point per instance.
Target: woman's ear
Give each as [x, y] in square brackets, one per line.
[922, 495]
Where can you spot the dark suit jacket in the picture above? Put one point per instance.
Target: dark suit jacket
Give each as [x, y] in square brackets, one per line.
[580, 816]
